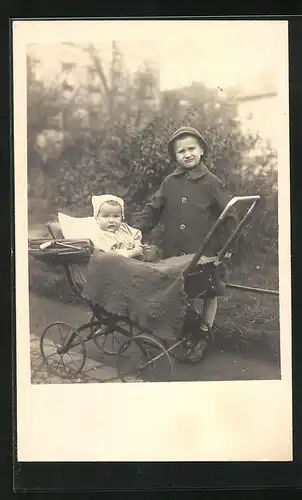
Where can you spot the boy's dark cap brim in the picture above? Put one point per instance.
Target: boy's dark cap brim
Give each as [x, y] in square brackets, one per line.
[182, 131]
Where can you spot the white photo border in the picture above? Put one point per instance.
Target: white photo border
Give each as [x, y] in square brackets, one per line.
[232, 421]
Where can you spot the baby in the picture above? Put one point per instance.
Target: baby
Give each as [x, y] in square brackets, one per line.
[113, 235]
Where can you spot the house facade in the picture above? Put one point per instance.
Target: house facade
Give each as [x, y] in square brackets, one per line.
[258, 114]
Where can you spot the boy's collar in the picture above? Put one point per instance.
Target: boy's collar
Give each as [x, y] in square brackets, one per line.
[195, 173]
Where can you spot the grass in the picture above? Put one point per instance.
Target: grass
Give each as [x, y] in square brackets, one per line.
[249, 323]
[246, 322]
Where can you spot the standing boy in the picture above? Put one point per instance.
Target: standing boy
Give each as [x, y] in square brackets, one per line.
[188, 202]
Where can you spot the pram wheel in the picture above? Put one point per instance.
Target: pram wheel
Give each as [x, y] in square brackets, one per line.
[110, 341]
[193, 347]
[63, 350]
[143, 358]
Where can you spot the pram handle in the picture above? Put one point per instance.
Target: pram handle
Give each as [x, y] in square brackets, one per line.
[254, 199]
[235, 200]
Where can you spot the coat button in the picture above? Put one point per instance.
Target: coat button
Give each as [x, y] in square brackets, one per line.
[182, 226]
[184, 200]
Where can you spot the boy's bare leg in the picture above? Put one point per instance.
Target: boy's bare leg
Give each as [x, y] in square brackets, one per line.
[209, 312]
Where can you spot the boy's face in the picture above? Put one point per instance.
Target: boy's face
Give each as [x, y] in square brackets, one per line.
[109, 217]
[188, 151]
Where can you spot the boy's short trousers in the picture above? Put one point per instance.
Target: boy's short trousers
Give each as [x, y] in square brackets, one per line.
[219, 287]
[206, 282]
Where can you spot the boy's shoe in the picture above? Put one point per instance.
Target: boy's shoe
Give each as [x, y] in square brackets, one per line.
[197, 351]
[188, 346]
[198, 348]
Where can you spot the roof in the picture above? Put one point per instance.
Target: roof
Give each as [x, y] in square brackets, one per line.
[263, 86]
[255, 96]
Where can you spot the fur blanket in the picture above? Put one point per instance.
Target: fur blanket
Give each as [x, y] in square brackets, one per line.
[150, 294]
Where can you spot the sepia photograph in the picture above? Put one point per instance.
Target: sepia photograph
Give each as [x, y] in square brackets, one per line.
[152, 172]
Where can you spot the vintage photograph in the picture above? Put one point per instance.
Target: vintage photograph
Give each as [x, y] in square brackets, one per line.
[152, 227]
[152, 174]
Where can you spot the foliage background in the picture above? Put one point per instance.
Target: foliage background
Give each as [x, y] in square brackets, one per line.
[77, 148]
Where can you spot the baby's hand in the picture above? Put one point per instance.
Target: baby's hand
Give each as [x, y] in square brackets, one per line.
[122, 252]
[140, 250]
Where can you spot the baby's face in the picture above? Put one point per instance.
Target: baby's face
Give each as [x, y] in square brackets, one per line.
[109, 217]
[188, 151]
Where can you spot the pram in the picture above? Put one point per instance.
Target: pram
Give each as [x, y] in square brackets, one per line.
[139, 355]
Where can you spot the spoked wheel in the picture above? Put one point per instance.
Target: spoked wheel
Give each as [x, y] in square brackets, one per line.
[109, 341]
[63, 350]
[193, 348]
[143, 358]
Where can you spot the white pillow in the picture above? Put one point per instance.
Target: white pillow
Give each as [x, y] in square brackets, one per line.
[76, 227]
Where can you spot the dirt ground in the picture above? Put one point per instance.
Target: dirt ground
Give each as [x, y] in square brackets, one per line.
[218, 365]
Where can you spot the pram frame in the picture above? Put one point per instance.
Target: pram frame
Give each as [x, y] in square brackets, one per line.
[100, 318]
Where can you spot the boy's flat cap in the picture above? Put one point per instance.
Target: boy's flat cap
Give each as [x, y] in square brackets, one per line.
[186, 131]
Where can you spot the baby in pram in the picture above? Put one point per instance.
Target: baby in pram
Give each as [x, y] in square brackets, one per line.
[113, 235]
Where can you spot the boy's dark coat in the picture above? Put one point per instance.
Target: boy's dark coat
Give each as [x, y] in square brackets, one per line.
[188, 203]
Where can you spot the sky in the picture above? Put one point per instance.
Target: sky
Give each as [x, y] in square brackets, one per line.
[219, 53]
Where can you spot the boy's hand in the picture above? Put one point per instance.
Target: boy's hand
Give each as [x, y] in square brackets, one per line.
[122, 252]
[206, 260]
[138, 250]
[217, 262]
[151, 253]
